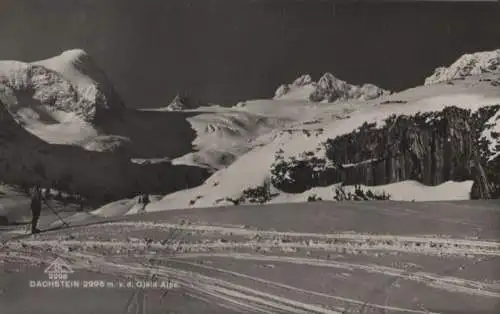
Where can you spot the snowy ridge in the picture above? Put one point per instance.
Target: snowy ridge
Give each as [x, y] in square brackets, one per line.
[468, 65]
[327, 89]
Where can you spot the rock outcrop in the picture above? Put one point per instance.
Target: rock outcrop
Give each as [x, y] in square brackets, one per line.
[431, 147]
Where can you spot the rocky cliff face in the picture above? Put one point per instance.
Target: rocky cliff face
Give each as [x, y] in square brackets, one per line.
[431, 148]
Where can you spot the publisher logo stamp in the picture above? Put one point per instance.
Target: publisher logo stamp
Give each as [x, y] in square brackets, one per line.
[58, 270]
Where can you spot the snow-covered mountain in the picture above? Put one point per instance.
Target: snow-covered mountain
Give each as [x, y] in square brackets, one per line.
[327, 89]
[71, 83]
[59, 99]
[485, 62]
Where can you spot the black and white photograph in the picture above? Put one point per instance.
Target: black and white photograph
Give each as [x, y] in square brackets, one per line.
[249, 156]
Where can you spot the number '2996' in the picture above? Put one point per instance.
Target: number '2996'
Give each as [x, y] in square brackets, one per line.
[93, 284]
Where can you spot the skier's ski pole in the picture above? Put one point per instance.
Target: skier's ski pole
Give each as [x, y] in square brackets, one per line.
[57, 214]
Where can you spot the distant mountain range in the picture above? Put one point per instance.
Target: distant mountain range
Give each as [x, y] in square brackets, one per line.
[327, 89]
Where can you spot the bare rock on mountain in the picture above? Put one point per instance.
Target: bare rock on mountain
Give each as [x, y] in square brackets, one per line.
[84, 73]
[281, 91]
[327, 89]
[467, 65]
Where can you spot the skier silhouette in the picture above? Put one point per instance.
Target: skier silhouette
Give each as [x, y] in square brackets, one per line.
[36, 208]
[144, 201]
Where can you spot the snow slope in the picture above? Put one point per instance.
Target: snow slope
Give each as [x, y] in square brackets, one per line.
[435, 257]
[400, 191]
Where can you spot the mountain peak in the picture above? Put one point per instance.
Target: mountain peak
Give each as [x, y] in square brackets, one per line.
[75, 54]
[470, 64]
[327, 89]
[303, 80]
[182, 102]
[70, 82]
[90, 81]
[329, 81]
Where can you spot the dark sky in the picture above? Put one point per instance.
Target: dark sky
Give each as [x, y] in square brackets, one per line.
[223, 51]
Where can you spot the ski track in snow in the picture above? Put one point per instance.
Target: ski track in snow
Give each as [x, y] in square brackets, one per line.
[291, 288]
[84, 254]
[452, 284]
[428, 244]
[238, 297]
[375, 245]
